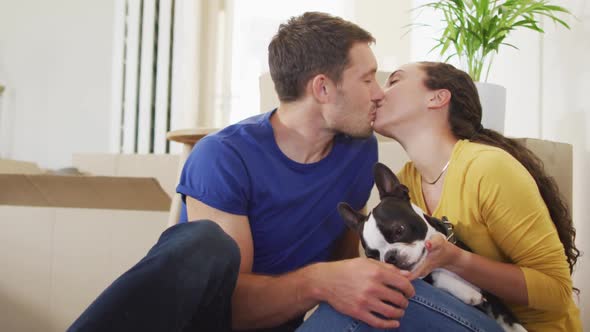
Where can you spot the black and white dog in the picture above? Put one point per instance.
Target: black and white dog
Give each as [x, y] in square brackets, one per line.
[396, 231]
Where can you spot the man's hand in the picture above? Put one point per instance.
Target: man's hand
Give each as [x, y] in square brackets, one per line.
[361, 287]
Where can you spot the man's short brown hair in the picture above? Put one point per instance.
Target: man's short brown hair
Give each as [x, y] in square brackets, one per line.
[311, 44]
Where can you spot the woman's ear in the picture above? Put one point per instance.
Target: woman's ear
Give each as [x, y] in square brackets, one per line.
[320, 88]
[439, 98]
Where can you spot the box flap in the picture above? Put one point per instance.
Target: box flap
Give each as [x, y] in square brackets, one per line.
[95, 192]
[163, 167]
[18, 167]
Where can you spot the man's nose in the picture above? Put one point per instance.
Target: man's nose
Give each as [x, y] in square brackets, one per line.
[377, 94]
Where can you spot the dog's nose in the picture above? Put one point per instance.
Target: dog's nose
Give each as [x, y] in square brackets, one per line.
[391, 257]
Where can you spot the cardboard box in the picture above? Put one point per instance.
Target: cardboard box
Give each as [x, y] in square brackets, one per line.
[63, 239]
[163, 167]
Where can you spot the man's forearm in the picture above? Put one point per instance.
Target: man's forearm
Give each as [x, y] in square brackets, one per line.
[264, 301]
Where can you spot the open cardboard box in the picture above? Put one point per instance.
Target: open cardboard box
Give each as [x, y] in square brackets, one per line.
[63, 239]
[163, 167]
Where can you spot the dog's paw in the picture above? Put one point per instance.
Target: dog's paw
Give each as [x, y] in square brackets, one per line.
[517, 328]
[470, 296]
[514, 327]
[457, 286]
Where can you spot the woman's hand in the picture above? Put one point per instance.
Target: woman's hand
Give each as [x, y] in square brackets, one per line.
[441, 254]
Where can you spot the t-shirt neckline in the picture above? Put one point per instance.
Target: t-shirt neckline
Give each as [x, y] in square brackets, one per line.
[292, 163]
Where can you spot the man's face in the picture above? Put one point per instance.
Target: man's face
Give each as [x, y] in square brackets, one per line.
[358, 94]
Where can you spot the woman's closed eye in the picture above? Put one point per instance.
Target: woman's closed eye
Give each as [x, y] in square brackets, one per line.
[392, 82]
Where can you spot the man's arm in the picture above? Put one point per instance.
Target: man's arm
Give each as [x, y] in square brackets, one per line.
[355, 287]
[253, 306]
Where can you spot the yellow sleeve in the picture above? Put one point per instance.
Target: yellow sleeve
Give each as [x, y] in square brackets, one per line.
[518, 220]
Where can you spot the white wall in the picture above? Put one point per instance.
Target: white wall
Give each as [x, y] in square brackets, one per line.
[547, 81]
[565, 117]
[386, 21]
[55, 58]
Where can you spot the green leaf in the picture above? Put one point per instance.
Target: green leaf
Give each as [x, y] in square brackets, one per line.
[510, 45]
[475, 29]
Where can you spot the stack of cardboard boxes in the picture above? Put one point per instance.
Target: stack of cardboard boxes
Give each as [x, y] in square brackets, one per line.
[64, 238]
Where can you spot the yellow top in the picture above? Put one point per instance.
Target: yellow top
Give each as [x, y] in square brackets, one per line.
[497, 210]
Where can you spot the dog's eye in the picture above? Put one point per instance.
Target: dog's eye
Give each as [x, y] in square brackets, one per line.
[399, 230]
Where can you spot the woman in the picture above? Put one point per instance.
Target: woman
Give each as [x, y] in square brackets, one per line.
[491, 188]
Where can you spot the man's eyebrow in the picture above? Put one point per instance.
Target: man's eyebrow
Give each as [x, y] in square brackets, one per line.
[395, 72]
[370, 72]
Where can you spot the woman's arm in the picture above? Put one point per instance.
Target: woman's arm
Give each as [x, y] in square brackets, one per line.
[520, 225]
[506, 281]
[518, 222]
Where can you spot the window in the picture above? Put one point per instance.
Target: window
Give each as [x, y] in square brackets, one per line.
[141, 94]
[180, 64]
[254, 22]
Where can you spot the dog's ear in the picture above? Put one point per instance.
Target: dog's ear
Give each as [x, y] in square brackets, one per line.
[388, 184]
[351, 217]
[385, 180]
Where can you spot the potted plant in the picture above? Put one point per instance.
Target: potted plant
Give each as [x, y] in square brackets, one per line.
[474, 30]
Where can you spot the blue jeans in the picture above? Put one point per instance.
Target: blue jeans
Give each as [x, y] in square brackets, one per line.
[431, 309]
[184, 283]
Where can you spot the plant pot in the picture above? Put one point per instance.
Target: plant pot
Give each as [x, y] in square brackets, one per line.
[493, 103]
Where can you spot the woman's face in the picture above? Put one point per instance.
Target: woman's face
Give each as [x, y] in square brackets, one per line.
[406, 100]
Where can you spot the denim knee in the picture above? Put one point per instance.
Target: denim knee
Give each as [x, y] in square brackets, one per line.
[193, 241]
[213, 239]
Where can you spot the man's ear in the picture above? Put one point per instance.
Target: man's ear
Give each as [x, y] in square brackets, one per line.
[439, 98]
[321, 87]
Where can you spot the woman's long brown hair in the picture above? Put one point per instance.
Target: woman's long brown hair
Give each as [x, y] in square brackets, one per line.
[465, 120]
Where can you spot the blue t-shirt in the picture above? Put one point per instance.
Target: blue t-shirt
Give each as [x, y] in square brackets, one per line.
[291, 207]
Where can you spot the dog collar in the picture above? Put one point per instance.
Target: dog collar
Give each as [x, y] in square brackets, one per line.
[449, 230]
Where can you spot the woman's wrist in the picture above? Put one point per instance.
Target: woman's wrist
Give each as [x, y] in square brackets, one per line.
[460, 260]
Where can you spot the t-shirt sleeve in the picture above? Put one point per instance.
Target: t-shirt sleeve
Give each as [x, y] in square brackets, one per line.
[520, 224]
[215, 174]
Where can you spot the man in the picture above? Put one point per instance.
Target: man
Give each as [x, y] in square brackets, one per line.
[272, 182]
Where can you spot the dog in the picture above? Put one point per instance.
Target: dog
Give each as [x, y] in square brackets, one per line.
[396, 231]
